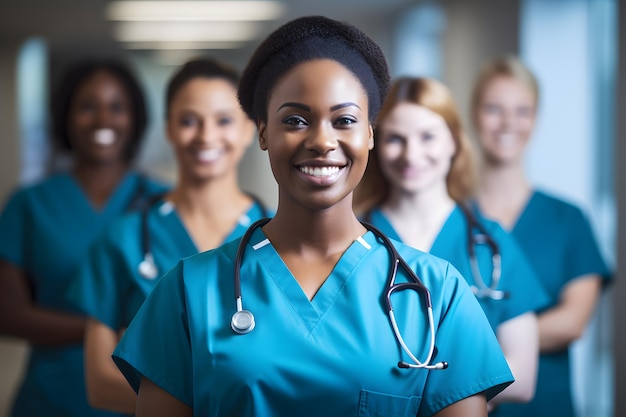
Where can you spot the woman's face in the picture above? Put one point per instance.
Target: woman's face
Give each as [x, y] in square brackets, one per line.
[317, 134]
[100, 120]
[505, 118]
[208, 129]
[415, 148]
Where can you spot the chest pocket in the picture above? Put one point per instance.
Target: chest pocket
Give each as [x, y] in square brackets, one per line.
[375, 404]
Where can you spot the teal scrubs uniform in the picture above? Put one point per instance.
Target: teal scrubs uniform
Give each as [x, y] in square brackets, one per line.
[110, 288]
[523, 288]
[46, 230]
[559, 243]
[334, 355]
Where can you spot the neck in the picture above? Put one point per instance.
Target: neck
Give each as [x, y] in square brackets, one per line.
[99, 180]
[295, 228]
[208, 199]
[421, 207]
[502, 182]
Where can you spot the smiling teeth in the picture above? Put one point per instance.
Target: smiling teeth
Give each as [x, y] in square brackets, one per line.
[104, 137]
[320, 171]
[209, 155]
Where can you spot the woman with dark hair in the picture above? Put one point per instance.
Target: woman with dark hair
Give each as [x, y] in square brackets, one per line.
[46, 228]
[293, 318]
[415, 189]
[554, 234]
[209, 133]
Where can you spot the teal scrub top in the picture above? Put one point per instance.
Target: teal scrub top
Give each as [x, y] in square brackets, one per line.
[334, 355]
[525, 293]
[109, 287]
[46, 230]
[559, 243]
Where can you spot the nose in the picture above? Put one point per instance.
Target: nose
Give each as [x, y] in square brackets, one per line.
[321, 139]
[103, 116]
[207, 132]
[413, 150]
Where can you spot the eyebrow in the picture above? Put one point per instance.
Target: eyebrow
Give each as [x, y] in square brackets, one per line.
[308, 109]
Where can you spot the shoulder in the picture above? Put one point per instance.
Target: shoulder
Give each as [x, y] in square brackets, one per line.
[557, 206]
[151, 184]
[37, 190]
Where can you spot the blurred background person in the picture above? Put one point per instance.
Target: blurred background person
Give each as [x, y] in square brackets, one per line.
[98, 118]
[419, 177]
[209, 133]
[555, 235]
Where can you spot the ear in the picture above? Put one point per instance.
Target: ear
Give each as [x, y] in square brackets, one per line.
[370, 140]
[262, 126]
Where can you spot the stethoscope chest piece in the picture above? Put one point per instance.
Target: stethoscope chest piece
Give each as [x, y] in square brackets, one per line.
[147, 267]
[242, 322]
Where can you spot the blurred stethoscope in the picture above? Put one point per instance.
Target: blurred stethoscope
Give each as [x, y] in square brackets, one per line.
[478, 235]
[242, 321]
[147, 267]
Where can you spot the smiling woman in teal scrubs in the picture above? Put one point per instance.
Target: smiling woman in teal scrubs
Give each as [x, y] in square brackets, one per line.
[555, 235]
[209, 133]
[314, 277]
[46, 229]
[420, 172]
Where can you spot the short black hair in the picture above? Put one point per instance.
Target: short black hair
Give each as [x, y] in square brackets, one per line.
[73, 79]
[308, 38]
[202, 67]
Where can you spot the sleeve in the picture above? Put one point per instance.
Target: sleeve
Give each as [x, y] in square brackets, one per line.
[525, 291]
[13, 226]
[157, 343]
[465, 340]
[99, 286]
[583, 254]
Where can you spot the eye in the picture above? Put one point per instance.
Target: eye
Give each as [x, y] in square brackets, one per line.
[86, 106]
[224, 121]
[295, 121]
[524, 111]
[428, 136]
[394, 139]
[345, 121]
[187, 121]
[492, 109]
[117, 107]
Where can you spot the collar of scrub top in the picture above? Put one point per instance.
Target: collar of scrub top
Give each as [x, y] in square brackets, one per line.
[242, 321]
[480, 289]
[147, 267]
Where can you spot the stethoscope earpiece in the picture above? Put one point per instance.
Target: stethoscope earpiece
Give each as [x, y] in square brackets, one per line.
[147, 267]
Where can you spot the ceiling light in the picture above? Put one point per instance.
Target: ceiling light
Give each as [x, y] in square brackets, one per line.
[186, 32]
[184, 11]
[182, 46]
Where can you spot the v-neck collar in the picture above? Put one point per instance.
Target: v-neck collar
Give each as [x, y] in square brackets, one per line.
[117, 202]
[524, 213]
[167, 209]
[310, 311]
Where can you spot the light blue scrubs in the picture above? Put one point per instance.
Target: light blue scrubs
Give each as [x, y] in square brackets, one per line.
[45, 231]
[525, 293]
[558, 241]
[110, 288]
[334, 355]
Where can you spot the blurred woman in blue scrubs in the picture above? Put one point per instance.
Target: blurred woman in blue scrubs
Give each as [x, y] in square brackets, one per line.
[209, 133]
[420, 173]
[303, 330]
[99, 118]
[555, 235]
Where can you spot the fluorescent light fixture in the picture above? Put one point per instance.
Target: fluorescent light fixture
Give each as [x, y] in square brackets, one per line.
[187, 11]
[181, 46]
[186, 32]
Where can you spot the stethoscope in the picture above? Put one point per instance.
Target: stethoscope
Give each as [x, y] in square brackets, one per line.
[480, 289]
[242, 321]
[147, 268]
